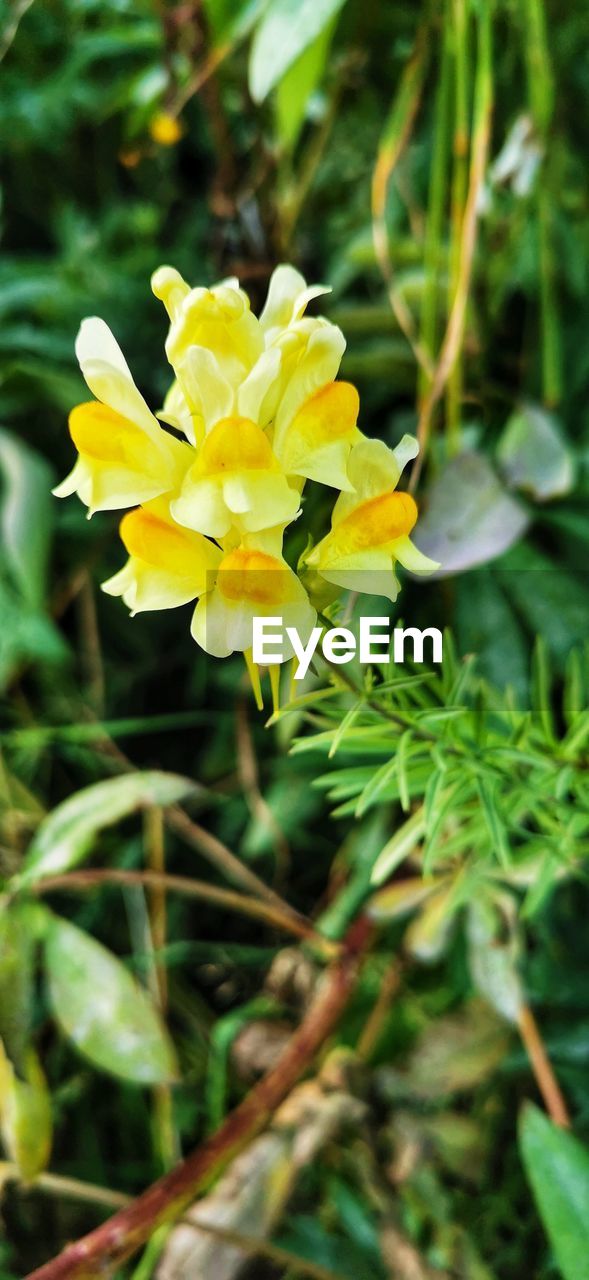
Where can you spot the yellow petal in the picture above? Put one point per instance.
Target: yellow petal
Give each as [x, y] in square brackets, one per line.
[108, 376]
[317, 442]
[312, 353]
[118, 464]
[219, 320]
[235, 444]
[375, 523]
[165, 545]
[167, 285]
[101, 433]
[254, 576]
[288, 297]
[373, 469]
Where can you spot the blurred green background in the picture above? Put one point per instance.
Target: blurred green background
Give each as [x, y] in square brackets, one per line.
[363, 142]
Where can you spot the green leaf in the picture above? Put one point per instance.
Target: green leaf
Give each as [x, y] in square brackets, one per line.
[287, 28]
[297, 85]
[469, 517]
[494, 820]
[26, 516]
[557, 1166]
[402, 897]
[400, 845]
[493, 963]
[534, 456]
[103, 1010]
[68, 833]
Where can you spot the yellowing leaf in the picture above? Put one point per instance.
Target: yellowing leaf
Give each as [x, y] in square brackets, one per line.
[67, 834]
[25, 1115]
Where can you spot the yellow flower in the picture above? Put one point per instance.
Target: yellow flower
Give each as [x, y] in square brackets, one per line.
[167, 566]
[253, 581]
[219, 320]
[165, 129]
[370, 527]
[124, 455]
[262, 412]
[229, 363]
[235, 482]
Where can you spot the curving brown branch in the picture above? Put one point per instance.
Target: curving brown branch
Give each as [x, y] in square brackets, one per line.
[100, 1252]
[274, 916]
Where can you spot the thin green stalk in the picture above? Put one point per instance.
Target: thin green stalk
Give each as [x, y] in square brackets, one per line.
[434, 249]
[166, 1137]
[541, 100]
[460, 147]
[393, 141]
[483, 102]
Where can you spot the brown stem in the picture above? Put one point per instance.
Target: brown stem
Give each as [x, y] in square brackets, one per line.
[542, 1068]
[273, 916]
[104, 1249]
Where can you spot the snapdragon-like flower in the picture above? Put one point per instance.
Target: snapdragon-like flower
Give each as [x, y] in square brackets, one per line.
[124, 457]
[370, 526]
[262, 413]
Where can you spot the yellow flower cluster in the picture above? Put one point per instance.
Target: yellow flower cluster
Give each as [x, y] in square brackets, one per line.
[256, 411]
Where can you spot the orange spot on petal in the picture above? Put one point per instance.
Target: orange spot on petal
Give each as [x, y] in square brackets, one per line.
[103, 434]
[235, 444]
[376, 522]
[329, 414]
[162, 545]
[254, 576]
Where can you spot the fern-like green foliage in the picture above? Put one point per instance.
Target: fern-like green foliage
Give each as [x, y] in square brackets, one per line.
[474, 782]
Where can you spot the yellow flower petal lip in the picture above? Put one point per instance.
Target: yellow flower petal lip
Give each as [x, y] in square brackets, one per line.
[251, 583]
[375, 523]
[311, 360]
[235, 444]
[412, 558]
[101, 433]
[288, 297]
[256, 577]
[318, 441]
[167, 285]
[108, 376]
[160, 542]
[167, 566]
[374, 468]
[235, 480]
[329, 414]
[372, 581]
[118, 465]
